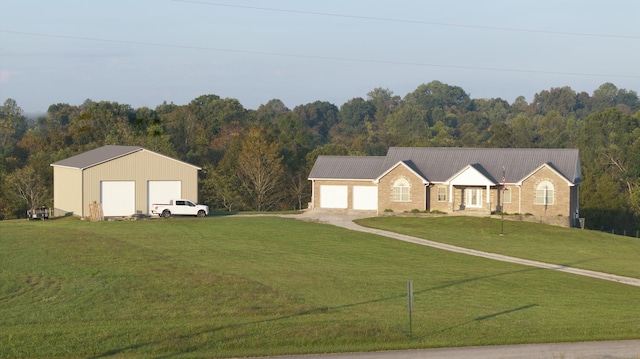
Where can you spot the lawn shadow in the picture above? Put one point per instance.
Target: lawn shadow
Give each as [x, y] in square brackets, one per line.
[327, 309]
[481, 318]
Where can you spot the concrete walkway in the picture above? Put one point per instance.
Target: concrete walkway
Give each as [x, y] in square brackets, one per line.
[345, 220]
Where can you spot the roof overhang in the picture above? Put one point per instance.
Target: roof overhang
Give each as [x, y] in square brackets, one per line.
[549, 166]
[402, 163]
[471, 175]
[341, 179]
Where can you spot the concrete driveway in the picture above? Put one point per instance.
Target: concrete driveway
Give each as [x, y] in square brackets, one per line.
[345, 220]
[625, 349]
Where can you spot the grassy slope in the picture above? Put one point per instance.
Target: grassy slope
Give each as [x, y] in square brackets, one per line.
[569, 246]
[220, 287]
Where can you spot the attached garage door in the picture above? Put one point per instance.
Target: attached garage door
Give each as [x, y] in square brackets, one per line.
[163, 192]
[334, 197]
[118, 198]
[365, 197]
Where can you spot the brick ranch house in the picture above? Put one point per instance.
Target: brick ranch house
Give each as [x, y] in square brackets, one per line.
[539, 182]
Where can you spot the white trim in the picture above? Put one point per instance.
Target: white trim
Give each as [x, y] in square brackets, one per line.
[474, 178]
[377, 180]
[438, 194]
[571, 184]
[467, 197]
[341, 179]
[313, 194]
[504, 194]
[402, 184]
[545, 192]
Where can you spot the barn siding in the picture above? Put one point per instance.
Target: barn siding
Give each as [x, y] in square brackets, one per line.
[67, 199]
[141, 167]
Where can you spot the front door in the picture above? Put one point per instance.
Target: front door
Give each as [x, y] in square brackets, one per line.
[473, 197]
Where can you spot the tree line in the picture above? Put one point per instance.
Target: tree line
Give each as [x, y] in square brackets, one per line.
[259, 159]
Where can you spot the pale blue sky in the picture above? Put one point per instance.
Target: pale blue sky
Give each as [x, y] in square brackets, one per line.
[144, 52]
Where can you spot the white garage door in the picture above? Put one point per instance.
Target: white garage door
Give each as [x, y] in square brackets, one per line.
[334, 197]
[118, 198]
[365, 197]
[163, 192]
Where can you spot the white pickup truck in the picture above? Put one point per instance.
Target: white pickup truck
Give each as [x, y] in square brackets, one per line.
[180, 207]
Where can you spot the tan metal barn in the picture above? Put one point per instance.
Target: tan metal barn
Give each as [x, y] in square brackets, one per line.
[126, 180]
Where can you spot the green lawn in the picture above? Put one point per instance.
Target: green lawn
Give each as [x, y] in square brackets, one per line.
[569, 246]
[243, 286]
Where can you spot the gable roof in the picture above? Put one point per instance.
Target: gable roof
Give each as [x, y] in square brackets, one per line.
[472, 175]
[550, 166]
[409, 165]
[440, 164]
[101, 155]
[347, 167]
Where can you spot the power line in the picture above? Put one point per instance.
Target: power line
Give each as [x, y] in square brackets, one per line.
[317, 57]
[434, 23]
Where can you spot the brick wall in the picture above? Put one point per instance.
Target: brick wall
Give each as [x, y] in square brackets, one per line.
[562, 194]
[418, 191]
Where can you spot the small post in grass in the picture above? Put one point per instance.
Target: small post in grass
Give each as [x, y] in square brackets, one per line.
[410, 302]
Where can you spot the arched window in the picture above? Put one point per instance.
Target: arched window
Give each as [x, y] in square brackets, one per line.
[544, 193]
[401, 191]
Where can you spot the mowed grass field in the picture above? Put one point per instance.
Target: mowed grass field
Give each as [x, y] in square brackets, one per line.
[249, 286]
[585, 249]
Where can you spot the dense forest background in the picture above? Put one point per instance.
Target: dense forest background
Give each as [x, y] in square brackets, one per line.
[260, 159]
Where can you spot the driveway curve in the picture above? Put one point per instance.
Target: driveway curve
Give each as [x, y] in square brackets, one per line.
[346, 220]
[619, 349]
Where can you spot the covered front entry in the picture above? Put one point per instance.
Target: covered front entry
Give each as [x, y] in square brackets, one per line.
[470, 189]
[473, 197]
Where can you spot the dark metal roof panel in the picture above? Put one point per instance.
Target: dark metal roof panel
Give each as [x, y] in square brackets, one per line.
[347, 167]
[96, 156]
[440, 163]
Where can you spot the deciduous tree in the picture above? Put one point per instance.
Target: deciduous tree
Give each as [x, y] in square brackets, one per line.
[27, 187]
[260, 169]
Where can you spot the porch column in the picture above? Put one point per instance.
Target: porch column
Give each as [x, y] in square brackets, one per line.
[489, 194]
[450, 197]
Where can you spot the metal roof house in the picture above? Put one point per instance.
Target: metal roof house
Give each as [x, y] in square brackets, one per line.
[540, 182]
[126, 180]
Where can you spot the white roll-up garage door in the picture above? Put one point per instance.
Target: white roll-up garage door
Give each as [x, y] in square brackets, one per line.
[334, 197]
[163, 192]
[365, 197]
[118, 198]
